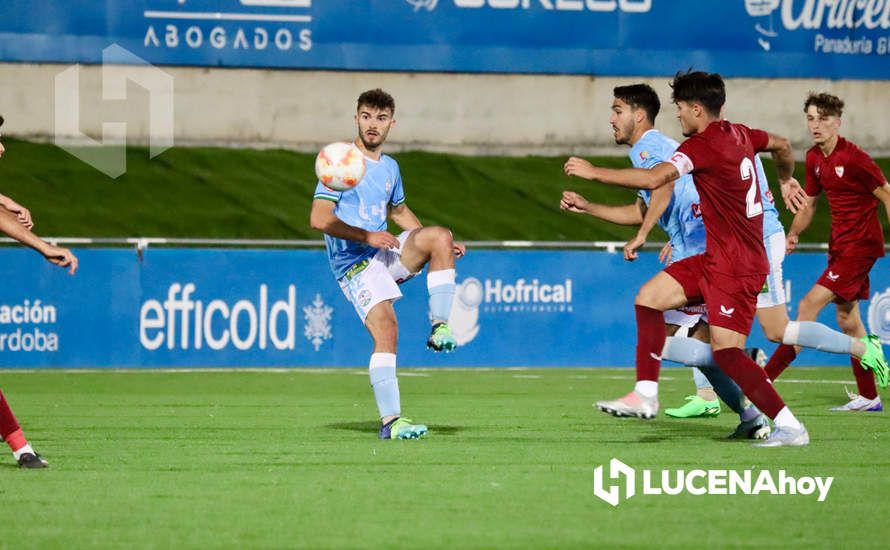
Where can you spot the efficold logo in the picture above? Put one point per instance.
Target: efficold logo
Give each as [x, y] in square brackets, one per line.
[879, 315]
[703, 482]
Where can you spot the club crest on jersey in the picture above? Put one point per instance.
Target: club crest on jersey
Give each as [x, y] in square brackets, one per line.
[839, 170]
[818, 170]
[644, 155]
[696, 210]
[726, 311]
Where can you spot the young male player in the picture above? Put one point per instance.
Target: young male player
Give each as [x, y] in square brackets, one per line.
[674, 207]
[369, 262]
[854, 186]
[730, 274]
[15, 222]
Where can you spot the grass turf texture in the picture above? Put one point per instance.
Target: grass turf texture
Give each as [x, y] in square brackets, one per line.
[245, 193]
[291, 459]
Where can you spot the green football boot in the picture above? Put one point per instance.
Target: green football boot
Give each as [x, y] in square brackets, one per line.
[695, 407]
[402, 428]
[441, 338]
[874, 359]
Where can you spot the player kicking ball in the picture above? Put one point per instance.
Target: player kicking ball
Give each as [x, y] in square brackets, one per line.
[369, 263]
[15, 222]
[854, 186]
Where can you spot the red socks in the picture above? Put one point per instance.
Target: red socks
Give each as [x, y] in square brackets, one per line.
[751, 378]
[782, 357]
[10, 430]
[650, 342]
[865, 380]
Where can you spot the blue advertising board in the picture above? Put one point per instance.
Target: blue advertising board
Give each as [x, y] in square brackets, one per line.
[244, 308]
[739, 38]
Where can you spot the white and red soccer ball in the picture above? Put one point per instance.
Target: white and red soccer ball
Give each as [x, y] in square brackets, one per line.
[340, 166]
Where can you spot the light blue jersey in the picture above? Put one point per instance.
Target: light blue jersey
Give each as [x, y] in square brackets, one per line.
[771, 223]
[365, 206]
[682, 219]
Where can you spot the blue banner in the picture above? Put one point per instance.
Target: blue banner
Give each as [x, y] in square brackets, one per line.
[254, 308]
[739, 38]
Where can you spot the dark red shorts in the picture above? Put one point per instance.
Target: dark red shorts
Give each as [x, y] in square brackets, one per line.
[847, 277]
[731, 299]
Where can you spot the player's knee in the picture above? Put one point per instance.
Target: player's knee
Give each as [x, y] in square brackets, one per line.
[807, 309]
[774, 333]
[646, 297]
[441, 238]
[849, 324]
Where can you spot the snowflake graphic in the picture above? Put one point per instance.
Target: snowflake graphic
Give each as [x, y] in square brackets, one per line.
[318, 322]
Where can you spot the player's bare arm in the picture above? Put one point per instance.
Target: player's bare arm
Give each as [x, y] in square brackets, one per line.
[658, 203]
[21, 213]
[625, 214]
[322, 218]
[793, 194]
[404, 217]
[11, 226]
[634, 178]
[802, 220]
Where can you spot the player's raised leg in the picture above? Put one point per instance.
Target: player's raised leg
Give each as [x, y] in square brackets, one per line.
[661, 293]
[15, 438]
[435, 246]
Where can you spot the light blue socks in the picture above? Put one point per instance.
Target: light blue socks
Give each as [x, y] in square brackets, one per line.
[382, 369]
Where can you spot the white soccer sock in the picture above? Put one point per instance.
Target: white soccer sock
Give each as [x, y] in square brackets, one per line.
[646, 388]
[786, 420]
[26, 449]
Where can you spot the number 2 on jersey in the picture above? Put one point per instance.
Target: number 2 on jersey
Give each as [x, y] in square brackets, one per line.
[753, 206]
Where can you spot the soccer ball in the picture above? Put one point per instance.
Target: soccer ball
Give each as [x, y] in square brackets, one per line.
[340, 166]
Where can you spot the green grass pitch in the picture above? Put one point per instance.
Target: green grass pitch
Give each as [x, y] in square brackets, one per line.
[290, 459]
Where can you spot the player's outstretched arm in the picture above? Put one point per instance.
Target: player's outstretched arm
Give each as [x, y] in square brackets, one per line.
[625, 214]
[658, 203]
[21, 213]
[322, 218]
[11, 225]
[634, 178]
[802, 220]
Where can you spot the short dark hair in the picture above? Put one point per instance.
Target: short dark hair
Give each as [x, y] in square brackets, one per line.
[826, 104]
[700, 87]
[639, 96]
[377, 99]
[1, 120]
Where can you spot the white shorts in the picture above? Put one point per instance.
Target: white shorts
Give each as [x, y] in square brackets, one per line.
[773, 292]
[687, 316]
[376, 279]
